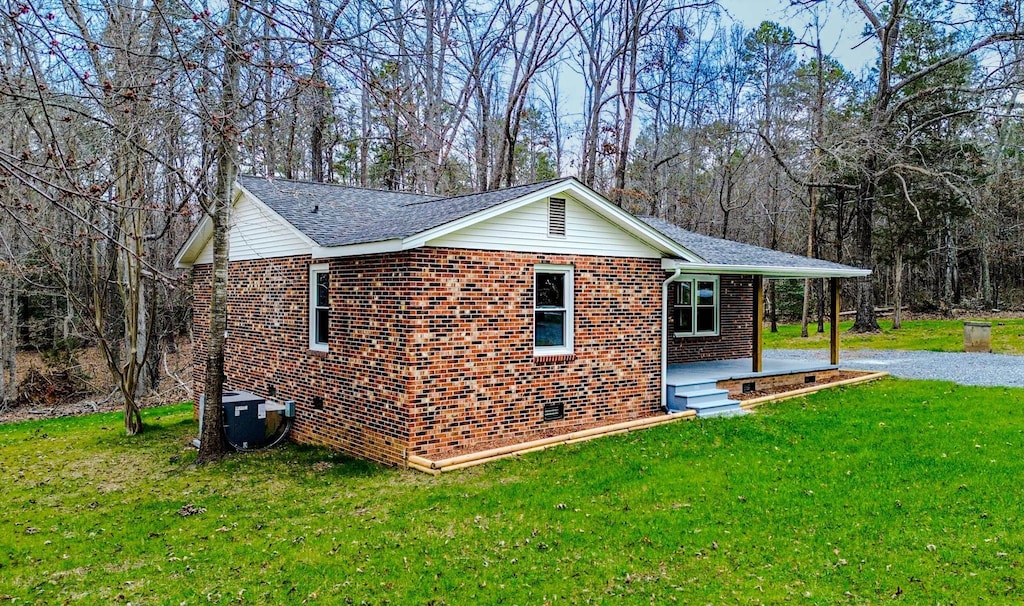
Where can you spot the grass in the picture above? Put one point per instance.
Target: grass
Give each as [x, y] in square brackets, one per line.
[931, 335]
[905, 489]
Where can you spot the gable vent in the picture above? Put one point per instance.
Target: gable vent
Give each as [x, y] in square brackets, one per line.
[556, 217]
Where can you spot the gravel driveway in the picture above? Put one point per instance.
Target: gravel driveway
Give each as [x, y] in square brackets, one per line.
[963, 368]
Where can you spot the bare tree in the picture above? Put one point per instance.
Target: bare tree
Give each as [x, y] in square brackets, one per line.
[893, 95]
[226, 135]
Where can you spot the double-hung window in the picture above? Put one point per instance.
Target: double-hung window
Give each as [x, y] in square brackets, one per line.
[695, 312]
[552, 310]
[319, 306]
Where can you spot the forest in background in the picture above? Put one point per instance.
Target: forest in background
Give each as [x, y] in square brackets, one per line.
[120, 115]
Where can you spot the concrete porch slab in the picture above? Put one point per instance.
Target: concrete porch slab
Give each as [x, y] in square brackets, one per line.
[740, 368]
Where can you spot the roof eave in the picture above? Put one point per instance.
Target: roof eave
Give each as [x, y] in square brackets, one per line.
[768, 271]
[361, 248]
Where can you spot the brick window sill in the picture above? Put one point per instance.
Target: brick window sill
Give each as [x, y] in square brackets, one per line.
[554, 359]
[317, 353]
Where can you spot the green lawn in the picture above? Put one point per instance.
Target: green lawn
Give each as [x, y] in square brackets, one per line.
[898, 488]
[932, 335]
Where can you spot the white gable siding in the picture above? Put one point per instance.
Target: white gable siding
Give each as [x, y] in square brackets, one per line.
[526, 230]
[257, 233]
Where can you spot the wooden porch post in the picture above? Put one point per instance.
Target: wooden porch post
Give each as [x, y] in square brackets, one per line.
[833, 286]
[756, 355]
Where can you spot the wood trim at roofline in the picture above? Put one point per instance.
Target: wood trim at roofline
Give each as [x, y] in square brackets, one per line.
[204, 231]
[364, 248]
[768, 271]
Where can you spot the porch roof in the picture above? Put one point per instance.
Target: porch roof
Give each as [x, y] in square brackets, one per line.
[728, 257]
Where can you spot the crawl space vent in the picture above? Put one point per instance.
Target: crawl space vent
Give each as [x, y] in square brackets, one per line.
[810, 378]
[748, 387]
[556, 217]
[554, 411]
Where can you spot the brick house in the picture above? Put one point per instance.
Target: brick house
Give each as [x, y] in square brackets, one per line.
[406, 324]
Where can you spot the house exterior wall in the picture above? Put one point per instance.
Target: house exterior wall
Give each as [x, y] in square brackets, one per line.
[526, 230]
[474, 377]
[735, 336]
[257, 233]
[431, 350]
[362, 378]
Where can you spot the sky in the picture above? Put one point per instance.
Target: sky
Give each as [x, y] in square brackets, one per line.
[841, 35]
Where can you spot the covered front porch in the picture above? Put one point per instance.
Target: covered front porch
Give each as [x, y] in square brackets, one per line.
[710, 379]
[714, 387]
[740, 369]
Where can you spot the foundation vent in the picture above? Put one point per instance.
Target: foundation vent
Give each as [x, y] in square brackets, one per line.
[554, 411]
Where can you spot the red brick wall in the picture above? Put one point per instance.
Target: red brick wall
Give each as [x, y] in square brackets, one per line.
[735, 338]
[432, 349]
[474, 377]
[361, 379]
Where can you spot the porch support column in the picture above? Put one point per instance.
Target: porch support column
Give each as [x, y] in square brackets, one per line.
[833, 337]
[756, 354]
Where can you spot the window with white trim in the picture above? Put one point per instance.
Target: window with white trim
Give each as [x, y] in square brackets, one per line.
[696, 308]
[552, 310]
[319, 306]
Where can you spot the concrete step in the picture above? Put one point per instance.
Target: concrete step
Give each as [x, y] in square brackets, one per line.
[704, 398]
[692, 398]
[696, 385]
[732, 410]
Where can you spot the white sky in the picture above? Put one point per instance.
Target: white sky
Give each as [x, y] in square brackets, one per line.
[841, 34]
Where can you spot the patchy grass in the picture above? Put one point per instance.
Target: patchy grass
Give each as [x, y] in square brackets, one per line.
[896, 489]
[931, 335]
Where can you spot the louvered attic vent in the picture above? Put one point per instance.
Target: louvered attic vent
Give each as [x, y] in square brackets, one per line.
[556, 217]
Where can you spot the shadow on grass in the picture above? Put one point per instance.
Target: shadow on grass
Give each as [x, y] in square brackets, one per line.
[306, 464]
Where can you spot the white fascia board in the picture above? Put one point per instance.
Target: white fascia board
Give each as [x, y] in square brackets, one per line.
[769, 271]
[204, 231]
[591, 199]
[194, 244]
[364, 248]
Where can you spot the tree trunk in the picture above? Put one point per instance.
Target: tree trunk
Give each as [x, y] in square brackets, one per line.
[365, 128]
[897, 289]
[8, 340]
[627, 97]
[986, 276]
[864, 209]
[318, 121]
[806, 309]
[289, 151]
[819, 293]
[213, 444]
[948, 263]
[269, 103]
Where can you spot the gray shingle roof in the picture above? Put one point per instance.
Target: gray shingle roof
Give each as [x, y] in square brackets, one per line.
[728, 252]
[352, 215]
